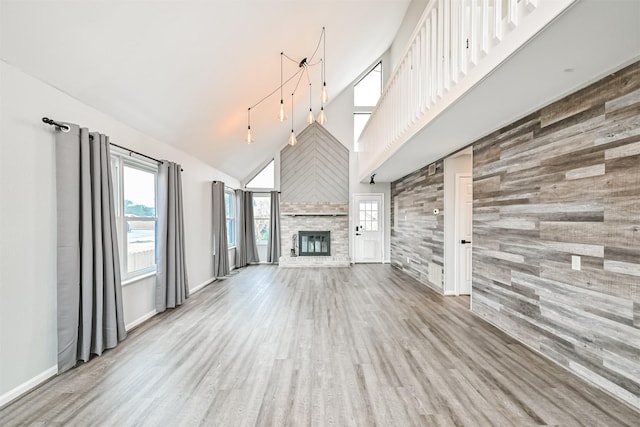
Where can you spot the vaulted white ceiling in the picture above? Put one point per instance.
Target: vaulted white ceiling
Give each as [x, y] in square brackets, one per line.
[185, 71]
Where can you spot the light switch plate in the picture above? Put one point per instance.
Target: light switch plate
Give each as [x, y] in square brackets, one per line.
[575, 262]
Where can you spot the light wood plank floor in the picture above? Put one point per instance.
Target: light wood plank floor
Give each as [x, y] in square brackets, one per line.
[365, 345]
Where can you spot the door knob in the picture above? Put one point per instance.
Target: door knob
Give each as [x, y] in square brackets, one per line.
[465, 241]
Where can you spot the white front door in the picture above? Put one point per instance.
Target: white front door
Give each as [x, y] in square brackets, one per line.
[368, 231]
[464, 232]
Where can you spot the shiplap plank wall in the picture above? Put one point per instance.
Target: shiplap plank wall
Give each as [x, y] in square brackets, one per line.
[563, 182]
[417, 235]
[316, 169]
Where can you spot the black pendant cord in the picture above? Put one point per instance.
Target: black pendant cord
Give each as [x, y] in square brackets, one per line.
[66, 128]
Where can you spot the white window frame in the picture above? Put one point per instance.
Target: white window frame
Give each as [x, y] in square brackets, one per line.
[119, 160]
[365, 109]
[233, 217]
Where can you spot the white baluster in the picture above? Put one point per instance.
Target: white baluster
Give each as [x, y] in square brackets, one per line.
[433, 78]
[484, 40]
[512, 13]
[455, 40]
[497, 21]
[447, 45]
[473, 39]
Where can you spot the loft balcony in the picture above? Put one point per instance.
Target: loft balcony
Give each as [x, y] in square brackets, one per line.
[472, 66]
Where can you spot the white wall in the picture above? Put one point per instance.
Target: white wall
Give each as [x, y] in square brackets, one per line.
[401, 40]
[340, 124]
[28, 337]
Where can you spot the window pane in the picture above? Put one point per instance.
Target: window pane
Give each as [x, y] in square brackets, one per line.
[265, 178]
[262, 231]
[229, 209]
[141, 245]
[261, 215]
[261, 206]
[359, 121]
[367, 91]
[139, 192]
[231, 232]
[227, 205]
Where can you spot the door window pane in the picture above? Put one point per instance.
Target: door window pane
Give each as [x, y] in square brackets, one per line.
[369, 215]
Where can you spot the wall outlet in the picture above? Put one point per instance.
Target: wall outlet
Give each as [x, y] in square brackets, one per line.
[575, 262]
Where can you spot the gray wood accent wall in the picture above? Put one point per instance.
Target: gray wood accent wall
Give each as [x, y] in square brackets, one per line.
[563, 182]
[417, 235]
[316, 169]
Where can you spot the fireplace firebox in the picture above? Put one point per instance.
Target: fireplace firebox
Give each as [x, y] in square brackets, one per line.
[314, 243]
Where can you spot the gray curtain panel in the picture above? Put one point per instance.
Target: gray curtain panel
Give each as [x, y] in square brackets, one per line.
[172, 285]
[220, 245]
[90, 315]
[273, 248]
[246, 249]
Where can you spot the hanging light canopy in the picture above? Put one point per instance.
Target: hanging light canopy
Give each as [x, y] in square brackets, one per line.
[304, 66]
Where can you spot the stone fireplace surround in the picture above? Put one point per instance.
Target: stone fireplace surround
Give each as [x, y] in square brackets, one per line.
[315, 216]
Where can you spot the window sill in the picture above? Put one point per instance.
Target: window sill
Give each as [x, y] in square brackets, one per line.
[138, 278]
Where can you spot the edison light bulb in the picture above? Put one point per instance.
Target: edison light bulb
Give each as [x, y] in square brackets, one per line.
[282, 116]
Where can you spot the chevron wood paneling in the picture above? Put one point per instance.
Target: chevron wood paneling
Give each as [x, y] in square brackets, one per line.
[316, 169]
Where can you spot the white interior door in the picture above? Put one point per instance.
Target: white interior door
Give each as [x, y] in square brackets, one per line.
[368, 233]
[464, 231]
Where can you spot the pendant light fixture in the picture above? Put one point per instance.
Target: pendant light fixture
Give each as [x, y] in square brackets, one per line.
[310, 118]
[292, 138]
[249, 138]
[322, 117]
[324, 94]
[282, 116]
[304, 66]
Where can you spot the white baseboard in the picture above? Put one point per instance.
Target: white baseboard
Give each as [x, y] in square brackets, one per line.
[150, 314]
[201, 285]
[28, 385]
[139, 320]
[42, 377]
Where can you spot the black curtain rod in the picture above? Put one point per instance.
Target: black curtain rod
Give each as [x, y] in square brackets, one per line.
[135, 152]
[63, 126]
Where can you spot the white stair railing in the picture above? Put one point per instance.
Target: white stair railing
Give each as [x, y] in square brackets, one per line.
[455, 44]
